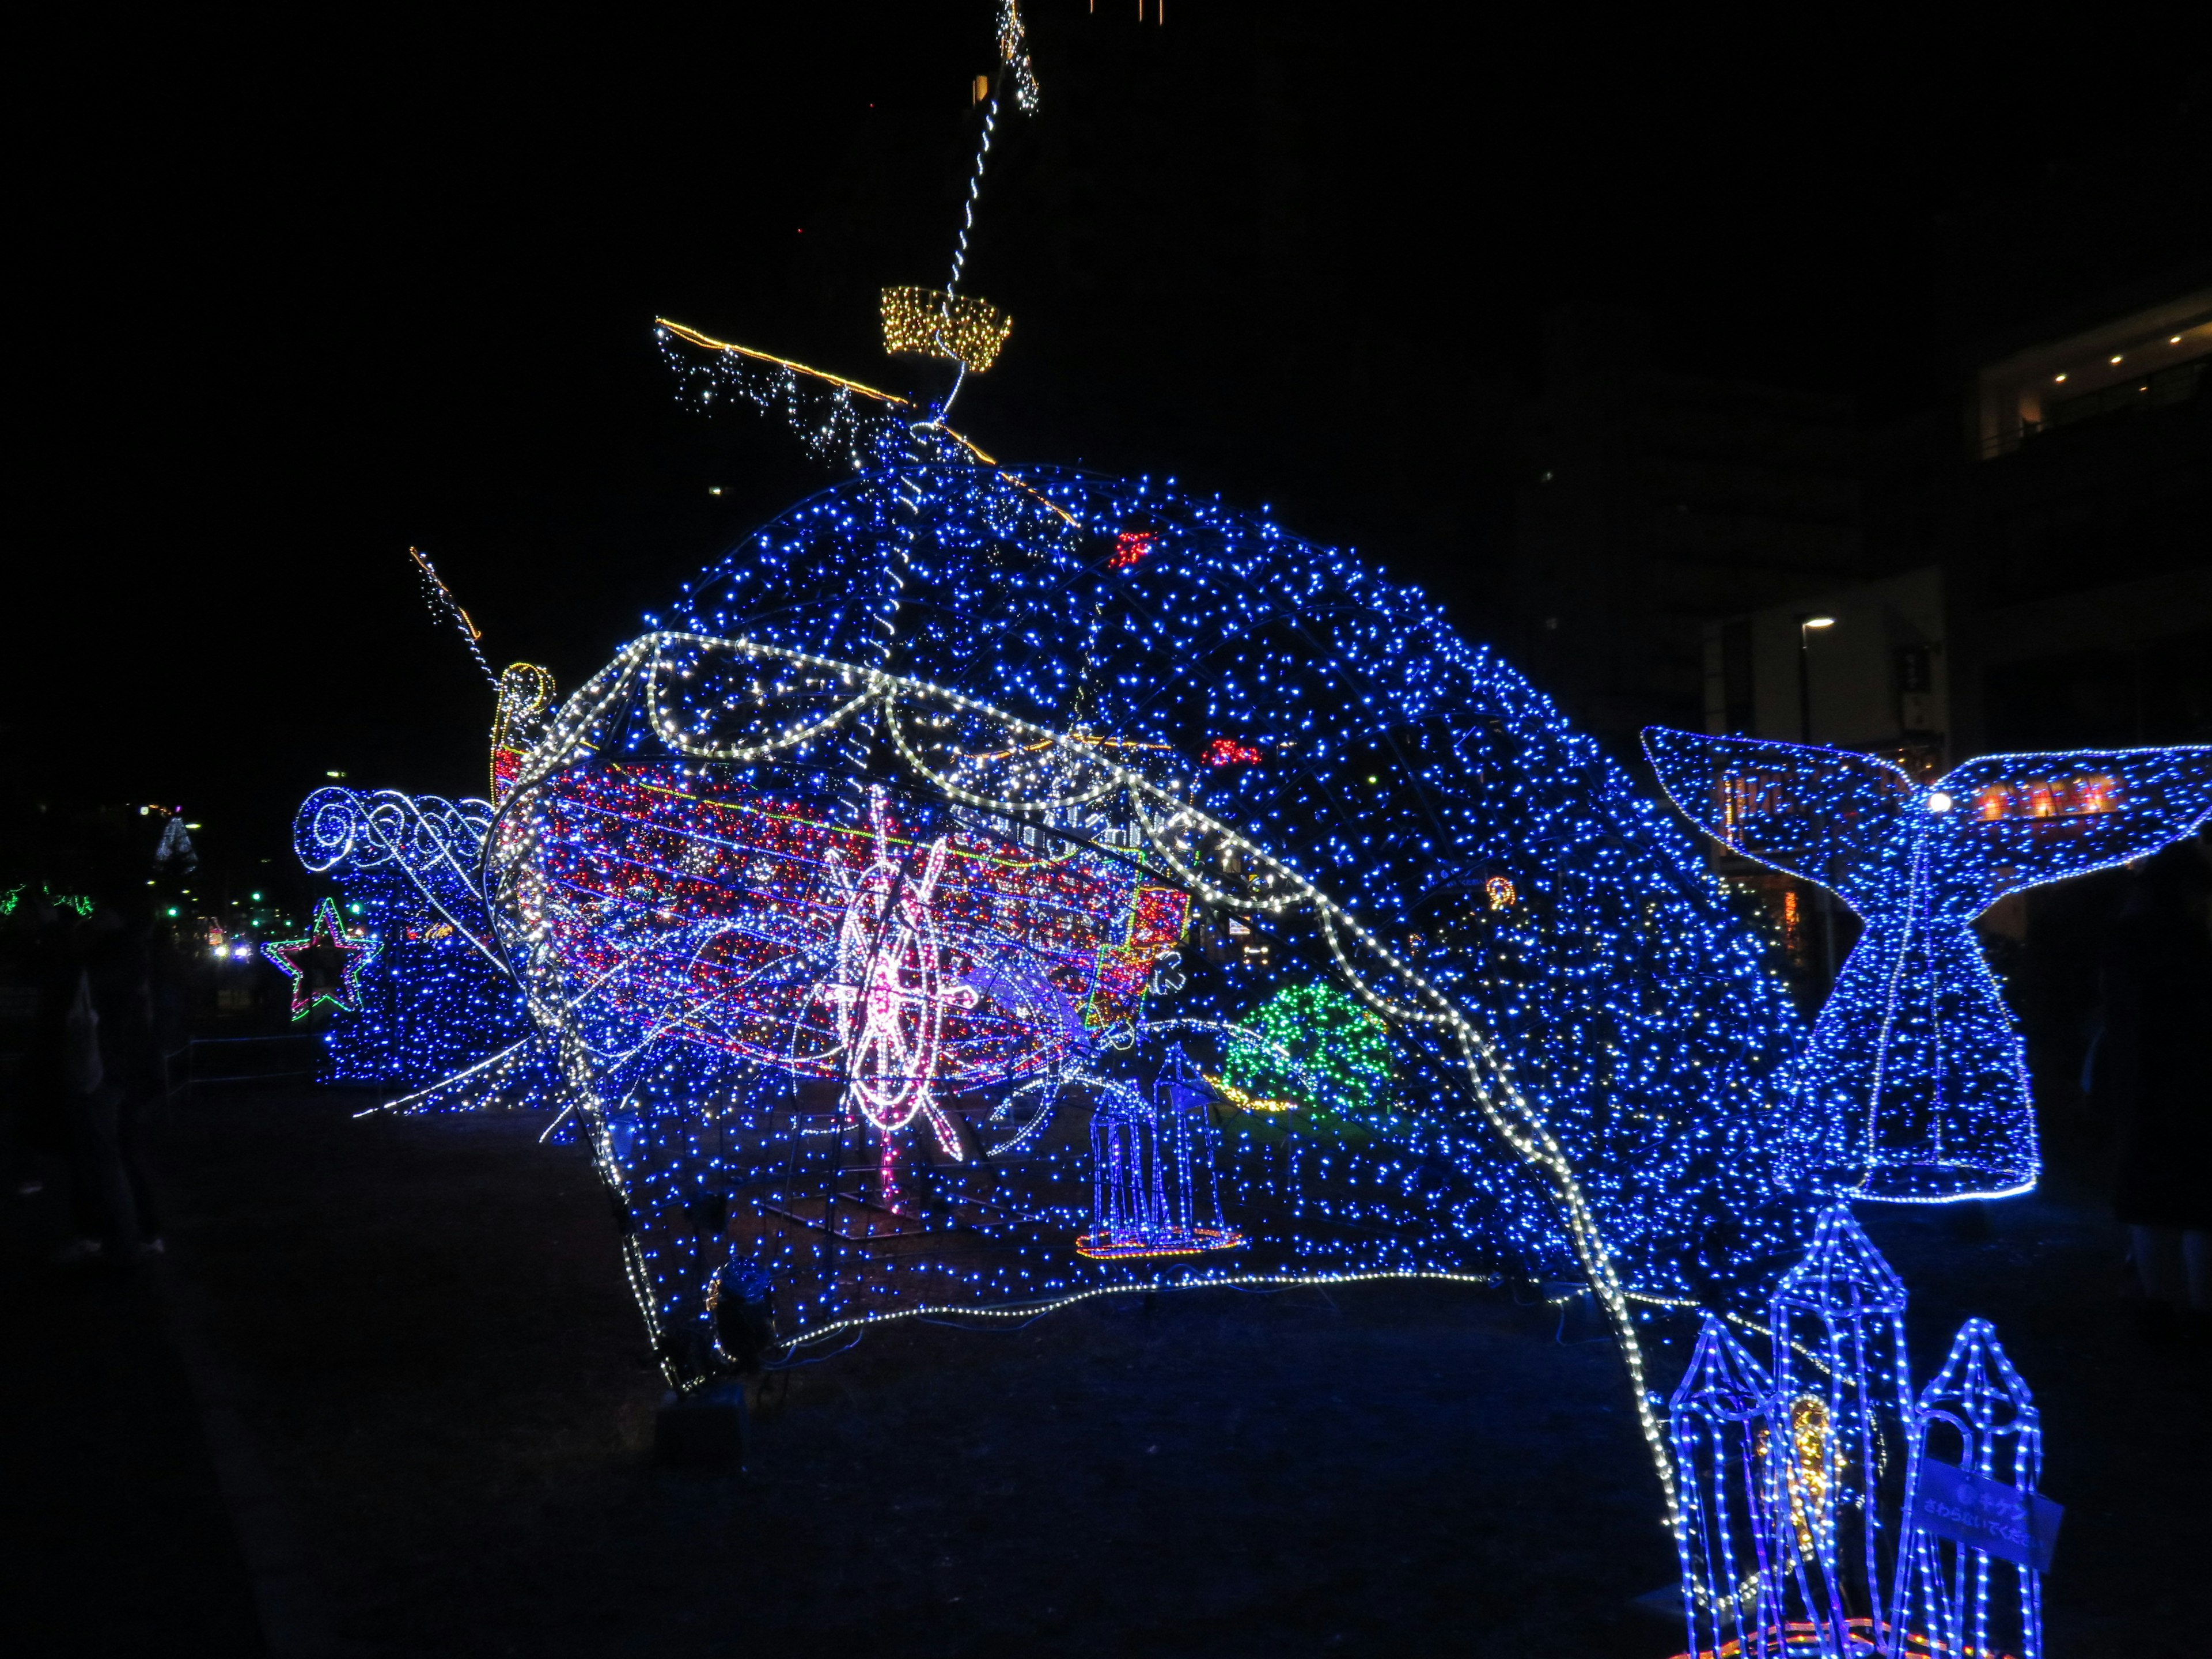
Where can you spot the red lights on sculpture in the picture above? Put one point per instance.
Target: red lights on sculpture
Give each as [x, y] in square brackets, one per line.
[906, 966]
[1129, 547]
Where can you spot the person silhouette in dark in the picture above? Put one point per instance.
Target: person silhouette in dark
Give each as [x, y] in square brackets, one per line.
[2153, 1075]
[44, 966]
[110, 1076]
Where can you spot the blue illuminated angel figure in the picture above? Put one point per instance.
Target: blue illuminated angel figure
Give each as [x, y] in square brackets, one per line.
[1915, 1044]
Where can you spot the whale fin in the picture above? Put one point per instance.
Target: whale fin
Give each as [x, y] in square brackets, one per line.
[1915, 1041]
[2013, 821]
[1819, 813]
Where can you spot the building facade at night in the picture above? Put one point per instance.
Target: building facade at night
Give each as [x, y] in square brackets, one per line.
[2029, 570]
[2080, 562]
[2026, 569]
[1649, 505]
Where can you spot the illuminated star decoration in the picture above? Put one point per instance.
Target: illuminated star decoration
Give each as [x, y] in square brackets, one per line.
[306, 962]
[1914, 1042]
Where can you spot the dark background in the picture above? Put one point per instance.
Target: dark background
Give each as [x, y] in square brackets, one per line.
[300, 302]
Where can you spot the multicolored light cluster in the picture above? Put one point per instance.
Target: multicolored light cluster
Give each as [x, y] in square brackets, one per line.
[851, 904]
[1227, 752]
[850, 907]
[899, 963]
[902, 932]
[438, 998]
[325, 965]
[1318, 1048]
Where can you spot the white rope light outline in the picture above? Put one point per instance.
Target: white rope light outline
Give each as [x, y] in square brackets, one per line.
[368, 816]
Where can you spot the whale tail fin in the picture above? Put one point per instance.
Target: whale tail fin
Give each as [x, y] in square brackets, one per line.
[1991, 826]
[2013, 821]
[1915, 1048]
[1823, 814]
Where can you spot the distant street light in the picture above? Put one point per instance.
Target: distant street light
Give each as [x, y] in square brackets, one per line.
[1806, 624]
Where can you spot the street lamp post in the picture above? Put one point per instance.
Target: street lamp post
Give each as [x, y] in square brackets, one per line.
[1805, 623]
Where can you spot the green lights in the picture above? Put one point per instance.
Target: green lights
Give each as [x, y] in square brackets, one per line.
[1339, 1045]
[76, 901]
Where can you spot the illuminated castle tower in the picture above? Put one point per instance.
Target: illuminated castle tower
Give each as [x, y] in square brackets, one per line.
[1718, 1421]
[1841, 1401]
[1975, 1419]
[1152, 1189]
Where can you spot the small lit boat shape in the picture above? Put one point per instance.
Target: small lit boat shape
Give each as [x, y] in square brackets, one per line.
[906, 965]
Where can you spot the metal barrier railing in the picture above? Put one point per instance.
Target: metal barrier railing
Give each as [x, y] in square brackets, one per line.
[180, 1072]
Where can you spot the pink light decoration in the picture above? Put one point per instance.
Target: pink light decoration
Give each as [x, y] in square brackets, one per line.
[904, 970]
[892, 992]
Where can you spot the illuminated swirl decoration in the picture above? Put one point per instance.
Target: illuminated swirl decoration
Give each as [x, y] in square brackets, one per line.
[436, 845]
[439, 1000]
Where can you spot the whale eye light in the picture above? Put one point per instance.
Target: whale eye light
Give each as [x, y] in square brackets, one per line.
[1939, 802]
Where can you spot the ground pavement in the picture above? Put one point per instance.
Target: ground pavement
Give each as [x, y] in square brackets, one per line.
[386, 1394]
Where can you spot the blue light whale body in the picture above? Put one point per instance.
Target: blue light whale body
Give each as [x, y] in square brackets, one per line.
[1915, 1046]
[1592, 1074]
[1050, 679]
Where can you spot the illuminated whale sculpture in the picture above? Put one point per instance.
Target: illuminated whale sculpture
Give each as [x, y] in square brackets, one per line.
[966, 820]
[976, 895]
[992, 886]
[1915, 1042]
[996, 886]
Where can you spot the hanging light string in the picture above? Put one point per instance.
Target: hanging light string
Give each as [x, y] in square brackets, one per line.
[733, 362]
[960, 263]
[975, 190]
[443, 603]
[1014, 60]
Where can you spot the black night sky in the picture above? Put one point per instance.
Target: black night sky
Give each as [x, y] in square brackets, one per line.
[297, 305]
